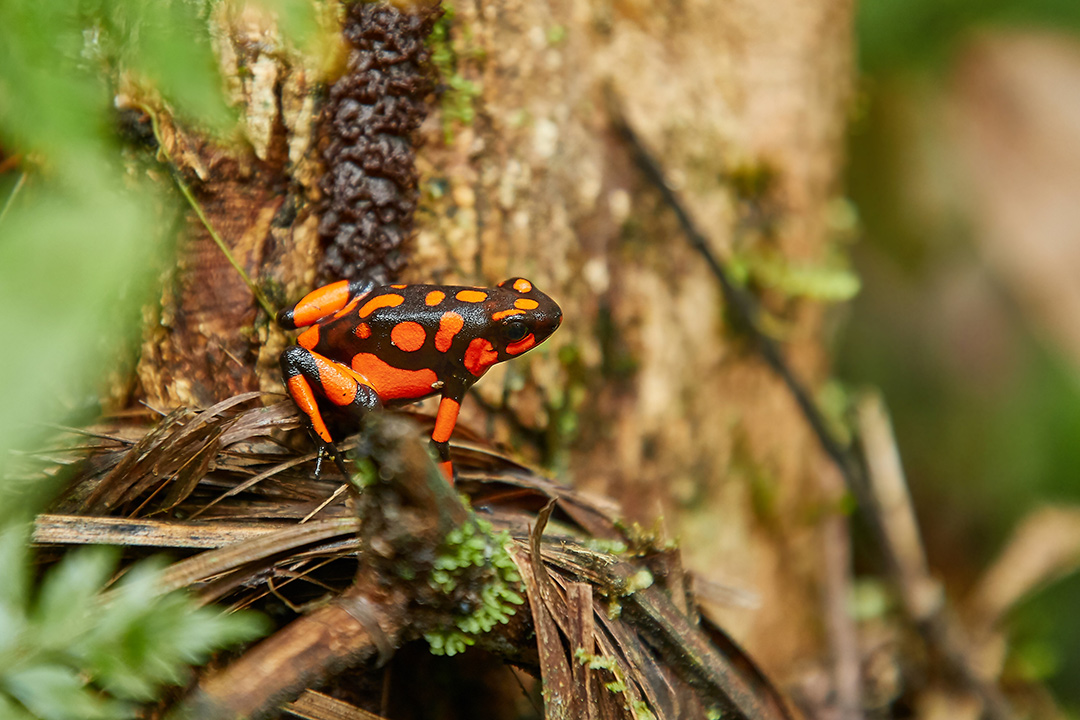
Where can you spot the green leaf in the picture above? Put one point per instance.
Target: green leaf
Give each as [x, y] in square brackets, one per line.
[10, 710]
[143, 640]
[14, 569]
[63, 610]
[49, 102]
[172, 47]
[77, 251]
[298, 22]
[67, 258]
[54, 692]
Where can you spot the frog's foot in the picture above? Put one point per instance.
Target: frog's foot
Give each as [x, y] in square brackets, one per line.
[305, 373]
[330, 450]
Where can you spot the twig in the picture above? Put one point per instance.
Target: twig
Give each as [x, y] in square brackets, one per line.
[368, 620]
[319, 706]
[921, 595]
[11, 197]
[347, 631]
[84, 530]
[840, 626]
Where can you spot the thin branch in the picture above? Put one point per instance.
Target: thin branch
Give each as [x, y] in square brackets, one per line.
[84, 530]
[320, 706]
[11, 197]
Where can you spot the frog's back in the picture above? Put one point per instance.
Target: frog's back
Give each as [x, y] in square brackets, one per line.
[402, 338]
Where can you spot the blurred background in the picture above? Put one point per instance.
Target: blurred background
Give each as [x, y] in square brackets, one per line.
[964, 167]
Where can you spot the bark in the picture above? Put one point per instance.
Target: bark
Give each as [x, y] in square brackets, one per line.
[646, 394]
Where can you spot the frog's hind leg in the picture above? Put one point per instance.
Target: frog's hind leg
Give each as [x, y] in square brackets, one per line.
[323, 302]
[306, 373]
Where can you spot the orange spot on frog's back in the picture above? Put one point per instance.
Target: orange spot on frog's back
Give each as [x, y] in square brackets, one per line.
[526, 304]
[506, 313]
[449, 326]
[363, 331]
[479, 356]
[434, 297]
[409, 336]
[388, 300]
[393, 383]
[471, 296]
[522, 285]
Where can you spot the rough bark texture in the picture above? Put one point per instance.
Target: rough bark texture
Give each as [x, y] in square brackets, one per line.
[645, 393]
[370, 181]
[653, 400]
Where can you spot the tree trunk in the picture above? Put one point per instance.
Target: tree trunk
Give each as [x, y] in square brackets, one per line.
[646, 394]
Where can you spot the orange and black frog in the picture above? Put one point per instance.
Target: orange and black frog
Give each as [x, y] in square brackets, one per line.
[369, 347]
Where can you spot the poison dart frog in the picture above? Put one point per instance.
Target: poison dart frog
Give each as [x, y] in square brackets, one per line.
[369, 347]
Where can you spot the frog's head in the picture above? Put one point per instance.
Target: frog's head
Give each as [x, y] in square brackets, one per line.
[522, 317]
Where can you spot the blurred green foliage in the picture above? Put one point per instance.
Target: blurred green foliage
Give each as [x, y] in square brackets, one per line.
[905, 35]
[985, 444]
[79, 235]
[84, 231]
[71, 651]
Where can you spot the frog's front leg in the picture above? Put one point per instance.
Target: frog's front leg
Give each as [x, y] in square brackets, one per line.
[324, 301]
[306, 372]
[445, 421]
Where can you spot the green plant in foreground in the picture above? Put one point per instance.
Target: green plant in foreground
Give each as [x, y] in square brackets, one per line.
[70, 650]
[473, 551]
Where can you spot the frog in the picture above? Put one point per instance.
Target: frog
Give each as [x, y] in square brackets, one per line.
[367, 347]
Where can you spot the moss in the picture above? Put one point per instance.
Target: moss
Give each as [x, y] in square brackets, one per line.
[556, 34]
[760, 480]
[641, 580]
[767, 268]
[366, 474]
[836, 402]
[601, 545]
[752, 182]
[457, 94]
[641, 710]
[472, 553]
[638, 708]
[563, 403]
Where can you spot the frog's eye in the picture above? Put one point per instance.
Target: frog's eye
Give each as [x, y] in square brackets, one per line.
[515, 330]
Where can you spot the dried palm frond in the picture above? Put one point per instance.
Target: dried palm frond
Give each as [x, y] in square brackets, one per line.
[611, 626]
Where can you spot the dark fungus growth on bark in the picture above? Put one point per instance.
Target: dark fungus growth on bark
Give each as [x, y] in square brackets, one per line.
[370, 186]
